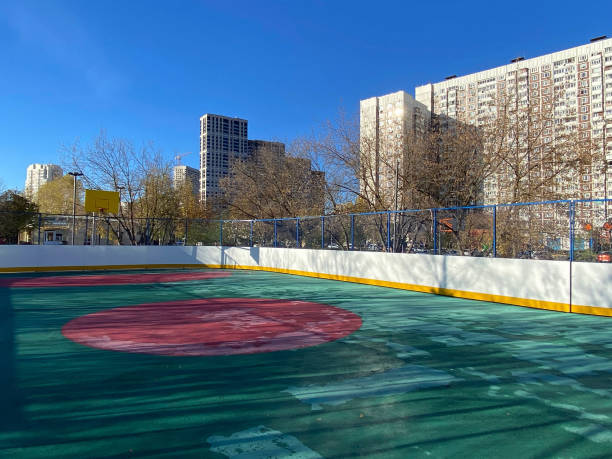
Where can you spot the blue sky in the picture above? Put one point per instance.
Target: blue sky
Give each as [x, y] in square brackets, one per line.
[147, 71]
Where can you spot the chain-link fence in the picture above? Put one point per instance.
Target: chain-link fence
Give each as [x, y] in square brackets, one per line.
[578, 230]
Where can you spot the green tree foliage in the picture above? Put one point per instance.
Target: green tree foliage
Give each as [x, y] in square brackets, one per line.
[16, 214]
[55, 197]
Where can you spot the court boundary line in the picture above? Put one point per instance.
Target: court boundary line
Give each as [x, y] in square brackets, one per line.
[466, 294]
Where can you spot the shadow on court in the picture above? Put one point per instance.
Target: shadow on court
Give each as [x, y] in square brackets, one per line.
[10, 396]
[424, 376]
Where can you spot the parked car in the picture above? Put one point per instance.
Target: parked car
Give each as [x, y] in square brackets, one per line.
[604, 257]
[536, 254]
[541, 255]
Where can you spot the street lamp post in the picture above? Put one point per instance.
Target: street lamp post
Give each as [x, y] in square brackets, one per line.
[75, 175]
[119, 188]
[395, 244]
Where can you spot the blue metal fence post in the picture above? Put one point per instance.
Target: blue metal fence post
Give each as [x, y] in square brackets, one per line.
[220, 233]
[274, 233]
[39, 225]
[352, 232]
[495, 231]
[251, 235]
[322, 232]
[388, 231]
[297, 233]
[571, 229]
[435, 231]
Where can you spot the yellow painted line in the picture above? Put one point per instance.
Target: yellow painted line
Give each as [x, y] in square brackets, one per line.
[526, 302]
[594, 310]
[539, 304]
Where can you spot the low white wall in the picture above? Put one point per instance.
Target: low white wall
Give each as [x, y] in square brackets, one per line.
[538, 280]
[66, 255]
[592, 284]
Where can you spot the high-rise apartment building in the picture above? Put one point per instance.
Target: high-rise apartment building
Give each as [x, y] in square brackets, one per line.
[569, 91]
[222, 140]
[257, 147]
[573, 87]
[386, 124]
[315, 183]
[186, 174]
[39, 174]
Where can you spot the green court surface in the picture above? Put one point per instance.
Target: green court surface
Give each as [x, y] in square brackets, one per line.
[424, 376]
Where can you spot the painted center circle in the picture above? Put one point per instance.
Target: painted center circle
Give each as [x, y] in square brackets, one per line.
[212, 326]
[90, 280]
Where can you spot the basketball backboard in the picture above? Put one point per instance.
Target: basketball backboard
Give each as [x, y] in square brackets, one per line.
[102, 201]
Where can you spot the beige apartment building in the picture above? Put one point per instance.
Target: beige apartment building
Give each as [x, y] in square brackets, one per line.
[186, 174]
[39, 174]
[574, 86]
[386, 124]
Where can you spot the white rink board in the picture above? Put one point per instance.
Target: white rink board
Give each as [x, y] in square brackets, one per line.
[540, 280]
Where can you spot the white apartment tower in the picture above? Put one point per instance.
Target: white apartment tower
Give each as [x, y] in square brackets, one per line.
[222, 140]
[39, 174]
[186, 174]
[385, 125]
[574, 85]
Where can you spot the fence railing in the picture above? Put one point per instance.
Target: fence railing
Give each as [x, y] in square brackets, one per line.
[561, 230]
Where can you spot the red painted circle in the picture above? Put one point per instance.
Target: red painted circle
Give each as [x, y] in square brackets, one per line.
[212, 326]
[108, 279]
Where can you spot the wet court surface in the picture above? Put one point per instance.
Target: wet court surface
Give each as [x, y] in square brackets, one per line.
[288, 366]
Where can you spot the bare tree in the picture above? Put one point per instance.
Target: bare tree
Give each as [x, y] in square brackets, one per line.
[143, 179]
[530, 153]
[349, 166]
[270, 185]
[515, 151]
